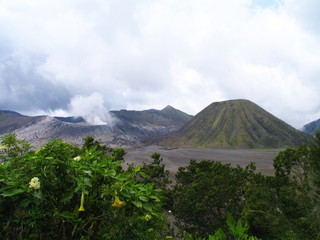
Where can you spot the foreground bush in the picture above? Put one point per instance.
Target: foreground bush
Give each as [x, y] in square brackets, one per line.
[64, 192]
[236, 230]
[206, 192]
[286, 206]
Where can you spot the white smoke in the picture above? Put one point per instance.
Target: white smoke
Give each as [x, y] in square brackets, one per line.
[91, 108]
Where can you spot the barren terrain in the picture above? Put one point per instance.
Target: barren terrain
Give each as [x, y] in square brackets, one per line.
[179, 157]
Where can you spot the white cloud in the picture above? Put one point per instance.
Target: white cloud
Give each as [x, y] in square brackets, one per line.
[91, 108]
[147, 54]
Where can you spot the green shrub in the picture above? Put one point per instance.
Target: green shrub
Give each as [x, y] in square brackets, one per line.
[206, 192]
[236, 230]
[63, 192]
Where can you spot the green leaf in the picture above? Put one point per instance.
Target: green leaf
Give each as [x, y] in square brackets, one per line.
[155, 197]
[125, 194]
[232, 225]
[137, 169]
[67, 214]
[143, 198]
[87, 182]
[137, 204]
[142, 174]
[88, 172]
[25, 202]
[148, 207]
[219, 235]
[12, 192]
[111, 172]
[38, 194]
[67, 196]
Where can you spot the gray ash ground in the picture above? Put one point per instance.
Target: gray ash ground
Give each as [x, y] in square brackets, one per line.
[180, 157]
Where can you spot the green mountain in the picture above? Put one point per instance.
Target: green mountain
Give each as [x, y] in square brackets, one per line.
[175, 114]
[312, 127]
[235, 124]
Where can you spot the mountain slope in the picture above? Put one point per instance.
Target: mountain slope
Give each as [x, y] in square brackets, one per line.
[11, 121]
[151, 122]
[312, 127]
[50, 128]
[235, 124]
[175, 115]
[129, 127]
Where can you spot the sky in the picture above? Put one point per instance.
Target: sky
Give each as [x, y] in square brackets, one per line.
[86, 57]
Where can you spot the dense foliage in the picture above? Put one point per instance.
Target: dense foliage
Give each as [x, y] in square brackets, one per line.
[286, 206]
[61, 191]
[206, 192]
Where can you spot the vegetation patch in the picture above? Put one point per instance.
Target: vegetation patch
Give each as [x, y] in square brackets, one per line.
[61, 191]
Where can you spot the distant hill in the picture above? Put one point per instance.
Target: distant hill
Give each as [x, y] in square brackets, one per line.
[152, 122]
[11, 121]
[235, 124]
[129, 128]
[312, 127]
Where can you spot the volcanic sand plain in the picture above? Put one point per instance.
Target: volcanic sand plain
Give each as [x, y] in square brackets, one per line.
[179, 157]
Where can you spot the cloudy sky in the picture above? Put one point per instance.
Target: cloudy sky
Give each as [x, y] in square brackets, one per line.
[77, 57]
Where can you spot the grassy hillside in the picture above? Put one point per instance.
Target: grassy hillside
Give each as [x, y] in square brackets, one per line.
[235, 124]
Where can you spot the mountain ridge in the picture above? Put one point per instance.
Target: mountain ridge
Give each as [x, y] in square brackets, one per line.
[231, 124]
[129, 128]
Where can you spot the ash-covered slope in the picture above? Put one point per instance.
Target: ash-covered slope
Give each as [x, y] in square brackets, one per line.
[128, 128]
[235, 124]
[50, 128]
[11, 121]
[151, 122]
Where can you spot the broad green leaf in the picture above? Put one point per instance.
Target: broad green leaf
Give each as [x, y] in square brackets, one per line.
[137, 169]
[142, 174]
[125, 194]
[143, 198]
[137, 204]
[148, 207]
[12, 192]
[219, 235]
[111, 172]
[155, 198]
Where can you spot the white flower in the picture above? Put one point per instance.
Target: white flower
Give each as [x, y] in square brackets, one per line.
[147, 217]
[34, 183]
[77, 158]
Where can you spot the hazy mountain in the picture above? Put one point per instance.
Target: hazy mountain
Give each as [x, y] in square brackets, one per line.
[128, 128]
[235, 124]
[11, 121]
[312, 127]
[152, 122]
